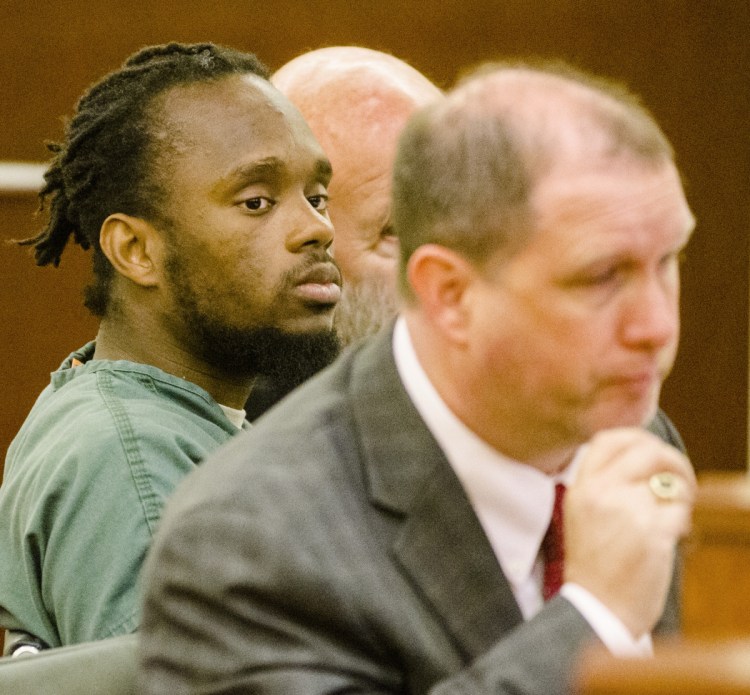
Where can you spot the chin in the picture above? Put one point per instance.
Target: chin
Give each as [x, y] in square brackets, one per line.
[630, 417]
[623, 415]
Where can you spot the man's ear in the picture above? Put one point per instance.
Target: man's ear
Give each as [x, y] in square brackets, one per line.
[134, 248]
[441, 280]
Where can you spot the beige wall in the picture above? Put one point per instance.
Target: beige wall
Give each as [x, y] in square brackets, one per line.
[689, 60]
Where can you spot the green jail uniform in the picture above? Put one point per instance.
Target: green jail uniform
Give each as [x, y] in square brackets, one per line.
[84, 485]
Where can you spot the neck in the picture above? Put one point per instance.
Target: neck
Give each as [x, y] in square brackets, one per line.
[553, 462]
[146, 343]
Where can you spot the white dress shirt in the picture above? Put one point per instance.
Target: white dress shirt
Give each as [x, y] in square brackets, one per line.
[513, 502]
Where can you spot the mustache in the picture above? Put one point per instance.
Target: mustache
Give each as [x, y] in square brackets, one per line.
[317, 266]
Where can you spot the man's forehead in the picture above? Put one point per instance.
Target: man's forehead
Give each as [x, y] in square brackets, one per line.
[185, 103]
[599, 194]
[236, 130]
[207, 112]
[588, 219]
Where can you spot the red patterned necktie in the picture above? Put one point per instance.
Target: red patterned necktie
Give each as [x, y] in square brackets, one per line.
[553, 547]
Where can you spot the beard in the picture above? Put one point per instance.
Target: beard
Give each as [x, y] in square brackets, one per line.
[363, 310]
[283, 358]
[288, 359]
[283, 362]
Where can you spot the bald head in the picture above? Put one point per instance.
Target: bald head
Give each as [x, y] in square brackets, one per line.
[357, 101]
[558, 115]
[369, 92]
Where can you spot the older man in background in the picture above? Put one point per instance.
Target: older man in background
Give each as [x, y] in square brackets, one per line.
[356, 101]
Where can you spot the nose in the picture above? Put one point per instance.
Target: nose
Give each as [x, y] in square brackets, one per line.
[652, 317]
[310, 228]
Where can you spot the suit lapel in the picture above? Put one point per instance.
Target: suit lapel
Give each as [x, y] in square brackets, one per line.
[445, 551]
[441, 545]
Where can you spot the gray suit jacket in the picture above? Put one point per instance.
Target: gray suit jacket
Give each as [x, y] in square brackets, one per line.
[331, 549]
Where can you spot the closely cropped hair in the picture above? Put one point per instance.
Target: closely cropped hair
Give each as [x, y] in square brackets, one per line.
[453, 171]
[108, 160]
[466, 166]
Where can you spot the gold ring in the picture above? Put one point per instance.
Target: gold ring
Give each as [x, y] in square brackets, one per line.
[665, 486]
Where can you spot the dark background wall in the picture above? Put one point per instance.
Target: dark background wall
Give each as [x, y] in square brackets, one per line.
[690, 60]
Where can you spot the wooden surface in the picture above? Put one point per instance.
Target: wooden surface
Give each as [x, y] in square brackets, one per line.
[690, 668]
[41, 314]
[716, 581]
[688, 59]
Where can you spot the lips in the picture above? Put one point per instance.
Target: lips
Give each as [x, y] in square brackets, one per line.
[320, 284]
[322, 274]
[641, 380]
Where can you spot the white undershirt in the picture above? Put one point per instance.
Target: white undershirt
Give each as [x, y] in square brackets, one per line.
[235, 415]
[513, 502]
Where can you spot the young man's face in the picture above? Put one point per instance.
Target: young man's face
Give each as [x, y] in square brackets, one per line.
[248, 232]
[577, 331]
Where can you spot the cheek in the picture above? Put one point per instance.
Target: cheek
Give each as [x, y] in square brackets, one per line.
[343, 250]
[540, 348]
[361, 262]
[241, 281]
[358, 223]
[378, 270]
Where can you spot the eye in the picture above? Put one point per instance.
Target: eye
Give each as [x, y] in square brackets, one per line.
[604, 277]
[319, 202]
[259, 204]
[601, 283]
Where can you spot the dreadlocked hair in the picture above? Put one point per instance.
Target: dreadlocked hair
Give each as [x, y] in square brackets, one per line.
[106, 163]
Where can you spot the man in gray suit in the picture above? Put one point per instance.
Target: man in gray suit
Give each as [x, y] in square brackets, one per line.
[385, 529]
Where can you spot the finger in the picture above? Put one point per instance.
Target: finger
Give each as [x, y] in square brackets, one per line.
[635, 455]
[675, 520]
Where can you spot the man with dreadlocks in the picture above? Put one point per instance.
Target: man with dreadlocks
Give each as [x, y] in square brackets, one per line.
[202, 194]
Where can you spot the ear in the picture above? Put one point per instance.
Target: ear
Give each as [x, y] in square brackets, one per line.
[441, 279]
[133, 247]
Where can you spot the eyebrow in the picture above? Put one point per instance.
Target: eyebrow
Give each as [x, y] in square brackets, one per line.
[270, 168]
[323, 169]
